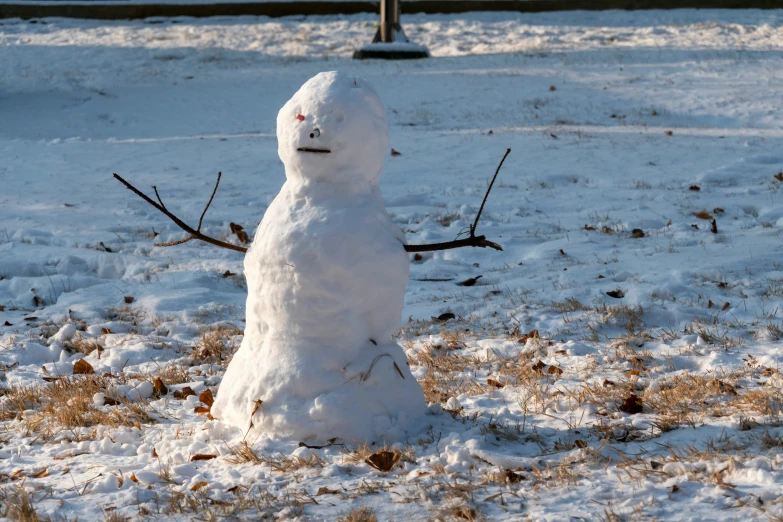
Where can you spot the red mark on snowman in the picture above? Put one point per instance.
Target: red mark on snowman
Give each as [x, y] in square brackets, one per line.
[300, 117]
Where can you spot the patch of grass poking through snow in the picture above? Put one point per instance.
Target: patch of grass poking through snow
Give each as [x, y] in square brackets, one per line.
[66, 404]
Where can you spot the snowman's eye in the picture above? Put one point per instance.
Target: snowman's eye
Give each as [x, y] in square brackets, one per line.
[300, 117]
[315, 134]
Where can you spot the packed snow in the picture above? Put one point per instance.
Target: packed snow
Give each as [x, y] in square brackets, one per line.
[326, 277]
[619, 359]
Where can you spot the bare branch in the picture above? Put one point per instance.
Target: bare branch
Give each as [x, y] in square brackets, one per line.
[214, 191]
[194, 233]
[472, 241]
[481, 208]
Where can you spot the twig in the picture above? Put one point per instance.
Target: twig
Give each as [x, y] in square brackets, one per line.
[472, 241]
[194, 234]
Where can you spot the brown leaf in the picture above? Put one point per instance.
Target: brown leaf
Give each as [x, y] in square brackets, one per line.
[579, 443]
[159, 388]
[2, 308]
[154, 453]
[198, 485]
[228, 273]
[552, 88]
[326, 491]
[606, 230]
[714, 226]
[233, 489]
[417, 257]
[496, 384]
[669, 133]
[695, 226]
[694, 187]
[669, 223]
[703, 215]
[128, 299]
[133, 478]
[82, 367]
[588, 227]
[562, 252]
[778, 176]
[383, 460]
[608, 383]
[7, 324]
[637, 233]
[40, 473]
[617, 294]
[709, 304]
[725, 306]
[722, 284]
[538, 367]
[718, 210]
[634, 373]
[675, 488]
[554, 370]
[533, 334]
[206, 397]
[396, 153]
[106, 331]
[600, 277]
[184, 393]
[201, 410]
[239, 231]
[202, 456]
[110, 401]
[632, 404]
[513, 476]
[490, 132]
[470, 281]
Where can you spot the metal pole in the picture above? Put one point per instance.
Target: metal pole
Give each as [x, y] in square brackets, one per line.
[388, 19]
[389, 32]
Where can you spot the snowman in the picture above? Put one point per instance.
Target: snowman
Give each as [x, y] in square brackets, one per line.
[326, 276]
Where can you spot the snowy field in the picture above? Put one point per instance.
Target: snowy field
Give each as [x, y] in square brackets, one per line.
[630, 133]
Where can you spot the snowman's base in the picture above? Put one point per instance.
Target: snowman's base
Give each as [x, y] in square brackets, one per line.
[391, 51]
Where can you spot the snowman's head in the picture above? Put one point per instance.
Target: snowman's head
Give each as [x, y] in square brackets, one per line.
[333, 129]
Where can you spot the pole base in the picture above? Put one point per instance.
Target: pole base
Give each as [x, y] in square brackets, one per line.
[391, 51]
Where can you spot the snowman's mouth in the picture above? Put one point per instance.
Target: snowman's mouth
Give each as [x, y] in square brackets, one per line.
[318, 151]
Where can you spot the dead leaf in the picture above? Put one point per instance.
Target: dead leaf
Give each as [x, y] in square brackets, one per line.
[778, 176]
[7, 324]
[588, 227]
[695, 226]
[446, 316]
[637, 233]
[554, 136]
[228, 273]
[606, 230]
[110, 401]
[538, 367]
[669, 223]
[133, 478]
[600, 277]
[562, 252]
[239, 231]
[724, 387]
[718, 210]
[617, 294]
[669, 133]
[417, 257]
[40, 473]
[714, 227]
[703, 215]
[608, 383]
[128, 299]
[396, 153]
[722, 284]
[154, 453]
[552, 88]
[579, 443]
[202, 456]
[198, 485]
[490, 132]
[469, 282]
[632, 404]
[675, 488]
[82, 367]
[206, 397]
[725, 306]
[201, 410]
[634, 373]
[326, 491]
[513, 476]
[383, 460]
[259, 403]
[184, 393]
[2, 308]
[106, 331]
[496, 384]
[159, 388]
[554, 370]
[694, 187]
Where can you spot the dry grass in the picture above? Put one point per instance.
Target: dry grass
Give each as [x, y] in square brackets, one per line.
[66, 404]
[360, 514]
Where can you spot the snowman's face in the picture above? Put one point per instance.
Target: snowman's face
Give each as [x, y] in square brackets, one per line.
[333, 129]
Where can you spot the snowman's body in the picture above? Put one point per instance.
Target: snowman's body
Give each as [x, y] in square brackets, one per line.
[326, 277]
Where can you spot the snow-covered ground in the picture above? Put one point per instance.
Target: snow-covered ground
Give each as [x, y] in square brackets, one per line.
[614, 119]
